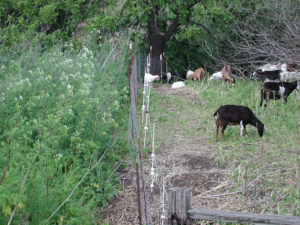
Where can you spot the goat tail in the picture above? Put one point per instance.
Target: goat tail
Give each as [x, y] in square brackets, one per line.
[216, 115]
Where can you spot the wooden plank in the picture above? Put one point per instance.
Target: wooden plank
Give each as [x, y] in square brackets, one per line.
[179, 202]
[248, 218]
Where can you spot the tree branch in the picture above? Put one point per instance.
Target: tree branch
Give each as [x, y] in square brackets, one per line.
[207, 30]
[172, 29]
[262, 38]
[21, 193]
[3, 176]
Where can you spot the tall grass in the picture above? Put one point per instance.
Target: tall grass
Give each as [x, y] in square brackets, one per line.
[62, 133]
[271, 163]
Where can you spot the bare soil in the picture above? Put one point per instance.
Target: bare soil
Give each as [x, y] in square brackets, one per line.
[181, 161]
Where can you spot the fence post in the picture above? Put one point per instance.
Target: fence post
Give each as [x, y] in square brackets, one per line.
[150, 59]
[179, 202]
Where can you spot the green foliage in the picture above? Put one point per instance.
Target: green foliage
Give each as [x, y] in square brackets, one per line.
[58, 19]
[61, 111]
[201, 24]
[48, 14]
[208, 23]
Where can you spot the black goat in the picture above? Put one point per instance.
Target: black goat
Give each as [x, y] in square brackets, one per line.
[268, 75]
[273, 90]
[234, 115]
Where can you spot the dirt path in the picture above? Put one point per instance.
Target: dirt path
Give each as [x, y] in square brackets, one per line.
[184, 159]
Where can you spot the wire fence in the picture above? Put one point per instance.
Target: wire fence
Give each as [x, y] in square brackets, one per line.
[134, 141]
[141, 64]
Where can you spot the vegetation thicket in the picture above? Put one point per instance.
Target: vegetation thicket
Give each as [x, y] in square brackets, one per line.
[63, 127]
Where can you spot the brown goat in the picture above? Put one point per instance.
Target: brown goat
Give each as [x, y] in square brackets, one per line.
[227, 74]
[197, 75]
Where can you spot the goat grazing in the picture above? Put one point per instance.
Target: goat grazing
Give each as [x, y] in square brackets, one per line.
[148, 79]
[227, 74]
[269, 67]
[216, 76]
[266, 76]
[278, 72]
[234, 115]
[274, 90]
[169, 76]
[178, 84]
[189, 73]
[197, 75]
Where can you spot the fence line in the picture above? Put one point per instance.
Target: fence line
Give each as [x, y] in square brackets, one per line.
[141, 63]
[134, 138]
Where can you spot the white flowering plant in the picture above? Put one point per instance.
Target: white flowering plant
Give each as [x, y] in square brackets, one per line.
[60, 113]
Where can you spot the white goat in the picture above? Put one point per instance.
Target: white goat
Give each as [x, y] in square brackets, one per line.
[169, 75]
[148, 79]
[216, 76]
[189, 73]
[272, 67]
[178, 84]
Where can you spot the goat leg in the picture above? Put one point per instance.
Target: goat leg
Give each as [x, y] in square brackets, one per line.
[285, 99]
[267, 99]
[242, 128]
[217, 130]
[245, 131]
[222, 131]
[261, 97]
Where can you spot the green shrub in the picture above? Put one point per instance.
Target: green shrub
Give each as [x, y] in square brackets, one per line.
[61, 112]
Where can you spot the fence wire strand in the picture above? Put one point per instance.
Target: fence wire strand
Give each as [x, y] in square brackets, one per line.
[133, 131]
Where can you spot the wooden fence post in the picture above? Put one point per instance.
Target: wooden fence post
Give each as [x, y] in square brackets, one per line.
[179, 202]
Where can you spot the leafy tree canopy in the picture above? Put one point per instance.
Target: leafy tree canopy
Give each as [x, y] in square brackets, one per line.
[58, 18]
[183, 26]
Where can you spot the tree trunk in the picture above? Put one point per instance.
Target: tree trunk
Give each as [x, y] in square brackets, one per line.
[157, 43]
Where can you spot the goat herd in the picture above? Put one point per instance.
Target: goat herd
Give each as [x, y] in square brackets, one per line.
[274, 87]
